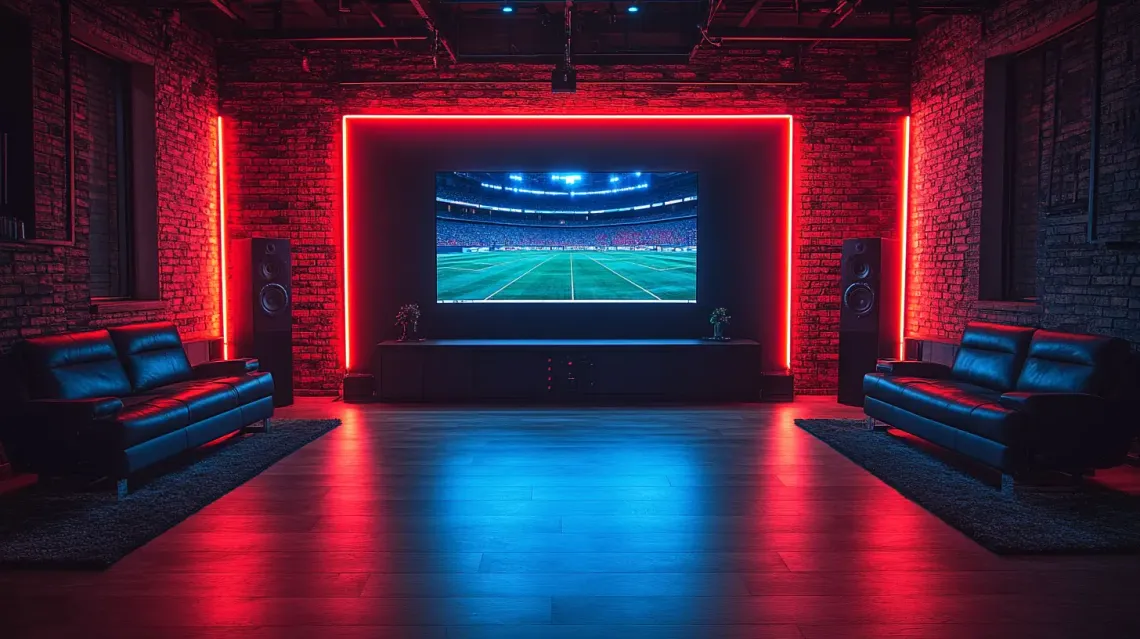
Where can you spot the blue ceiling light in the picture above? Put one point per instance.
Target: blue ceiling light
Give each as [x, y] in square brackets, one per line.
[633, 8]
[508, 8]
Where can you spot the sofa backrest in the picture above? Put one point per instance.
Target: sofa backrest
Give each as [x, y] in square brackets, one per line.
[73, 366]
[991, 355]
[1074, 363]
[152, 355]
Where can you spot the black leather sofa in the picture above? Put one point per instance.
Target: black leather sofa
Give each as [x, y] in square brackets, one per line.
[1017, 399]
[109, 403]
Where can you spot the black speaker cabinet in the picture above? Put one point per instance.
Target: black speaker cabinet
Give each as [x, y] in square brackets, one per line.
[261, 309]
[359, 388]
[869, 312]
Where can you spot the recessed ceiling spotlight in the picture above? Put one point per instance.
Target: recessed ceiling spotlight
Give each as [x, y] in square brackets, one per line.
[508, 8]
[633, 8]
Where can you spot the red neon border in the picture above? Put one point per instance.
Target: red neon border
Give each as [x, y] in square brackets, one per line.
[904, 237]
[222, 238]
[724, 116]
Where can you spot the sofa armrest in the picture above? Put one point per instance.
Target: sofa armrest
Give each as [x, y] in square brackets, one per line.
[1065, 429]
[929, 370]
[53, 411]
[226, 368]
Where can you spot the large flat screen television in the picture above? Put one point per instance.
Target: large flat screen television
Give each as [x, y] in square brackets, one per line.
[566, 237]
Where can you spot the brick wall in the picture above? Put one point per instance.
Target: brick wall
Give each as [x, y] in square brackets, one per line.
[1081, 286]
[284, 168]
[44, 288]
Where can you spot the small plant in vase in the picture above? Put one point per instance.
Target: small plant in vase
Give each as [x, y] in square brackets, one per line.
[409, 315]
[719, 319]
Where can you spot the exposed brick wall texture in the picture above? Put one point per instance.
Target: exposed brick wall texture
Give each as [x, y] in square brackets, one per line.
[44, 288]
[1080, 286]
[284, 165]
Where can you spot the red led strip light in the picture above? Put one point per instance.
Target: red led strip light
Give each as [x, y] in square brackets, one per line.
[222, 239]
[904, 238]
[395, 116]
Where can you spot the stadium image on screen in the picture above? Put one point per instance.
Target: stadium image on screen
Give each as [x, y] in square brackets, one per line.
[566, 237]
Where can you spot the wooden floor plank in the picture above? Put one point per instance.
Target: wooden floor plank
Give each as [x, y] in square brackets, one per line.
[659, 522]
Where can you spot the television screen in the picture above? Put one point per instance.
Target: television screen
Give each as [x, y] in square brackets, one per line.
[566, 237]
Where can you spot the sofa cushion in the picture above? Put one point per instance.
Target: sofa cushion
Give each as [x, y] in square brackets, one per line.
[964, 406]
[202, 399]
[75, 366]
[249, 387]
[991, 355]
[152, 355]
[144, 418]
[1071, 363]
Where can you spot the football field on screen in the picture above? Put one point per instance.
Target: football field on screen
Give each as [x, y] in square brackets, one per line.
[568, 276]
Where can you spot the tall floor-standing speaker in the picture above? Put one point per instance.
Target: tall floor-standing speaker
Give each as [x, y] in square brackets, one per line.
[261, 309]
[869, 311]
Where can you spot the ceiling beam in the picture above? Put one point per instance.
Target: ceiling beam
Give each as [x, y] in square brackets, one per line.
[375, 16]
[704, 29]
[845, 9]
[807, 34]
[756, 7]
[334, 36]
[225, 8]
[431, 25]
[311, 8]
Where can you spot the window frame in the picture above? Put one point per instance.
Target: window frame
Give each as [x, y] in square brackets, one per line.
[136, 138]
[998, 156]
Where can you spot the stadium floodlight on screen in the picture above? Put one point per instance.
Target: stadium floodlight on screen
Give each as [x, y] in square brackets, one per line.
[566, 237]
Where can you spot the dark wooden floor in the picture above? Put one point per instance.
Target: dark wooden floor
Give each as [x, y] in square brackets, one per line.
[552, 523]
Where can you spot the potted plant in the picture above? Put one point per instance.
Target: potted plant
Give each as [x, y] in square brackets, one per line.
[719, 319]
[408, 314]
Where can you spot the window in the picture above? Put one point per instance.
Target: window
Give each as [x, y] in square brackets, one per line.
[17, 213]
[1037, 115]
[101, 90]
[115, 180]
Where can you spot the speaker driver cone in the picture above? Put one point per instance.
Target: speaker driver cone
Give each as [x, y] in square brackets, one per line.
[860, 298]
[273, 299]
[860, 269]
[270, 270]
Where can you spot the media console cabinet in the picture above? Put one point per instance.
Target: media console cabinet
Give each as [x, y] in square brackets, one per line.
[567, 370]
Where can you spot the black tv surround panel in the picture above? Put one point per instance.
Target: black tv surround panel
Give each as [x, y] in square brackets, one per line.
[567, 370]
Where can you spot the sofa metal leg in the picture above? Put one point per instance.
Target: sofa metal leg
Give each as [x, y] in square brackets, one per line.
[258, 427]
[122, 488]
[874, 424]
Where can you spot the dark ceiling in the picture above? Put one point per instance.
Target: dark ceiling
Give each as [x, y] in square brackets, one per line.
[476, 30]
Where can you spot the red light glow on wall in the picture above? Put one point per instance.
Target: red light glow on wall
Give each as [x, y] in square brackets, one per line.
[727, 116]
[904, 237]
[222, 238]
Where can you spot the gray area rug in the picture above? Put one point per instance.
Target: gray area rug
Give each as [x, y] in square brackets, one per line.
[53, 527]
[1089, 520]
